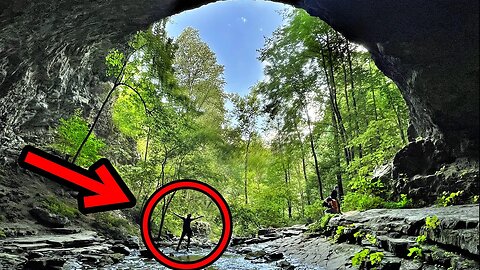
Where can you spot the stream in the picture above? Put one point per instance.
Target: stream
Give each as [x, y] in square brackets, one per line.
[228, 261]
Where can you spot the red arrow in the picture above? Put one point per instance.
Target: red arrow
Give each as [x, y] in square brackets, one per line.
[100, 187]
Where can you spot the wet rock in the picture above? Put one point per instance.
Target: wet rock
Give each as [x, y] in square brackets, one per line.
[398, 246]
[48, 219]
[145, 253]
[90, 259]
[117, 257]
[131, 242]
[11, 261]
[255, 255]
[266, 231]
[119, 248]
[275, 256]
[55, 263]
[244, 250]
[285, 265]
[65, 230]
[238, 240]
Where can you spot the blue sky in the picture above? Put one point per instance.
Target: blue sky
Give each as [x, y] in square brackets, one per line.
[234, 30]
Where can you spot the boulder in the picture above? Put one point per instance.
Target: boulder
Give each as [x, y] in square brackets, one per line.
[119, 248]
[201, 228]
[48, 219]
[255, 255]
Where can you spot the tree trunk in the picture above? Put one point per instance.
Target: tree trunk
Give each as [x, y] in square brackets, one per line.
[314, 154]
[398, 116]
[164, 213]
[337, 157]
[331, 85]
[246, 168]
[304, 166]
[354, 100]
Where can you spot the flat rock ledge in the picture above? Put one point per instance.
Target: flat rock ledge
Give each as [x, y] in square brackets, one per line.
[52, 251]
[453, 244]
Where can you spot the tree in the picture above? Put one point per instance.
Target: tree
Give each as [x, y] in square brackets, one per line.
[246, 110]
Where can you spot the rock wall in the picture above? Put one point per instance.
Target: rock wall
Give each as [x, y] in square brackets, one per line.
[52, 51]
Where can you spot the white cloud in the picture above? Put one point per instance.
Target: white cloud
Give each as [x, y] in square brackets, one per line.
[261, 29]
[244, 20]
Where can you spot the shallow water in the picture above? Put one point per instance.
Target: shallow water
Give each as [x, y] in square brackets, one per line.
[228, 261]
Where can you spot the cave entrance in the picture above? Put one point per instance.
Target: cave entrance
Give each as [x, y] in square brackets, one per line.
[317, 110]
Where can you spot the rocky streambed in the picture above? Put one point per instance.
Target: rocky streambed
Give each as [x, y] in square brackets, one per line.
[74, 249]
[453, 244]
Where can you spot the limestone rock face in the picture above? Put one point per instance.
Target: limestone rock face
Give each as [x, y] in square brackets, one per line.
[52, 51]
[48, 219]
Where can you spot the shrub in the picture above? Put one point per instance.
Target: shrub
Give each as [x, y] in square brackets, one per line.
[403, 203]
[2, 234]
[376, 258]
[338, 233]
[113, 225]
[421, 239]
[363, 257]
[415, 252]
[361, 201]
[449, 199]
[431, 223]
[371, 238]
[246, 220]
[322, 224]
[56, 206]
[360, 257]
[70, 134]
[475, 199]
[315, 210]
[359, 234]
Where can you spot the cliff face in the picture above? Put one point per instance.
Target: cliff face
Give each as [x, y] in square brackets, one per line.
[52, 51]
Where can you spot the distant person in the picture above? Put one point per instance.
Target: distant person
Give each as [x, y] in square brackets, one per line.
[336, 196]
[187, 230]
[332, 206]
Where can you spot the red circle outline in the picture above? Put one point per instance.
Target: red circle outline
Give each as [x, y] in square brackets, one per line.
[210, 192]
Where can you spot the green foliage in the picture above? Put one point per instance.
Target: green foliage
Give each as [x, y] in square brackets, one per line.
[360, 258]
[114, 62]
[323, 98]
[114, 225]
[421, 239]
[359, 234]
[475, 199]
[432, 223]
[338, 232]
[415, 252]
[376, 258]
[2, 234]
[245, 220]
[325, 219]
[371, 238]
[56, 206]
[404, 202]
[321, 224]
[361, 201]
[449, 199]
[315, 210]
[365, 201]
[70, 134]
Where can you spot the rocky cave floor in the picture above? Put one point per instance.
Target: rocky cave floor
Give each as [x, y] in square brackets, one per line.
[32, 237]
